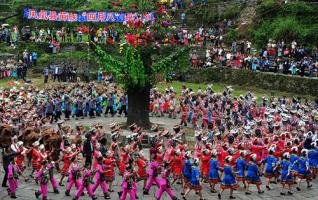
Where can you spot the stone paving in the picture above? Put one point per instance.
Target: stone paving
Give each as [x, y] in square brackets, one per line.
[26, 190]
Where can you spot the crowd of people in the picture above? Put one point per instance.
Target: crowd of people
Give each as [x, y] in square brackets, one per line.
[277, 57]
[17, 66]
[12, 68]
[237, 141]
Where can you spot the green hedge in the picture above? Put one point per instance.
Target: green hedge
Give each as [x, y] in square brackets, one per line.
[241, 77]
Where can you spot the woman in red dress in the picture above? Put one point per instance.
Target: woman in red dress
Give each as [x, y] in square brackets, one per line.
[110, 170]
[142, 172]
[67, 163]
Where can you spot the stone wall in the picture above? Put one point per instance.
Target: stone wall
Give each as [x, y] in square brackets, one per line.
[241, 77]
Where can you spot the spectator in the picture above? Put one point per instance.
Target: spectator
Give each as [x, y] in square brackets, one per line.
[86, 74]
[183, 18]
[34, 58]
[46, 74]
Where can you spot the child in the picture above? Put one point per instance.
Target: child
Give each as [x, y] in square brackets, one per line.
[85, 183]
[67, 162]
[43, 176]
[110, 171]
[129, 184]
[73, 176]
[100, 178]
[141, 172]
[165, 185]
[152, 175]
[13, 179]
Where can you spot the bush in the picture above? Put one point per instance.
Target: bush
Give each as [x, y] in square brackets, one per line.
[231, 35]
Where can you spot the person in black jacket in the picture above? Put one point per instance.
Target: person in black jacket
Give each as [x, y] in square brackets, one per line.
[88, 149]
[7, 157]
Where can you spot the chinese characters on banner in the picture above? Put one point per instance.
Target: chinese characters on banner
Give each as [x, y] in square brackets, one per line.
[90, 16]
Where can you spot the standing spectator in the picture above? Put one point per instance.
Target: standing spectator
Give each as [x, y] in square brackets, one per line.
[242, 46]
[183, 19]
[110, 103]
[194, 59]
[34, 58]
[123, 103]
[99, 75]
[63, 33]
[286, 67]
[80, 35]
[55, 72]
[46, 74]
[234, 47]
[302, 67]
[59, 73]
[68, 33]
[88, 149]
[86, 74]
[25, 55]
[248, 47]
[49, 109]
[75, 34]
[7, 157]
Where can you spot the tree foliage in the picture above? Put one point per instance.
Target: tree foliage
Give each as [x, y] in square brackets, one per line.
[132, 70]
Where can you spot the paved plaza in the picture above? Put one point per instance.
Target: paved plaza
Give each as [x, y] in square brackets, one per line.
[26, 190]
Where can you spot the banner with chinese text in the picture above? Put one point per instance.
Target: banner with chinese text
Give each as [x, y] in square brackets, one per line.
[90, 16]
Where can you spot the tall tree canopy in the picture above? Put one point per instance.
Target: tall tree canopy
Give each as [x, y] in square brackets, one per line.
[145, 53]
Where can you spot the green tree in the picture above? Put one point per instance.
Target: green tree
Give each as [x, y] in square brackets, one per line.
[143, 55]
[137, 73]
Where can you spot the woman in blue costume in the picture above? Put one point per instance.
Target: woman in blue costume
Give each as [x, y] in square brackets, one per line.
[228, 181]
[195, 180]
[99, 101]
[115, 102]
[187, 171]
[313, 159]
[270, 166]
[286, 175]
[253, 175]
[214, 177]
[241, 168]
[293, 158]
[303, 171]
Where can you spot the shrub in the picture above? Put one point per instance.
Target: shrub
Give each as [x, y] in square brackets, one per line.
[231, 35]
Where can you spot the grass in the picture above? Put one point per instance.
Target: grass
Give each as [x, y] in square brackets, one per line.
[177, 85]
[237, 90]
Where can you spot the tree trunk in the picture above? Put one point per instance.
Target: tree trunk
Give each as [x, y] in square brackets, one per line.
[138, 106]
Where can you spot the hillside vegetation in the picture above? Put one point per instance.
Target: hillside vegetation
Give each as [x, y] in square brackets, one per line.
[293, 21]
[271, 19]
